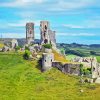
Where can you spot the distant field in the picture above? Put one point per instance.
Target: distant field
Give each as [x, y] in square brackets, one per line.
[70, 56]
[87, 50]
[22, 80]
[79, 50]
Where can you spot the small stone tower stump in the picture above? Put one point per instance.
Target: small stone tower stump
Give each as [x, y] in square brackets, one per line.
[47, 59]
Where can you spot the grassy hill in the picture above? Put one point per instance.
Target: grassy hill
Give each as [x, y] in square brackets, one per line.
[22, 80]
[80, 49]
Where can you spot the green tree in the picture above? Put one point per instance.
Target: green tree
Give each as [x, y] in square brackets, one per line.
[92, 52]
[17, 48]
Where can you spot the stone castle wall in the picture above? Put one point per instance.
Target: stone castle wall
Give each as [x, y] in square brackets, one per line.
[67, 68]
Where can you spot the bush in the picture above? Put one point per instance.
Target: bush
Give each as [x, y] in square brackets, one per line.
[86, 72]
[62, 51]
[17, 48]
[48, 46]
[26, 54]
[81, 69]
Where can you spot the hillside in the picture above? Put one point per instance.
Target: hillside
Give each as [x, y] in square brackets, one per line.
[23, 80]
[80, 49]
[59, 57]
[1, 45]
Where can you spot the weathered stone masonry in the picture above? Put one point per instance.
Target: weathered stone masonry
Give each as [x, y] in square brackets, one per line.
[67, 68]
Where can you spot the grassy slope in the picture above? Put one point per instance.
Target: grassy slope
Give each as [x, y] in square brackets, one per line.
[70, 56]
[98, 58]
[22, 80]
[59, 57]
[1, 45]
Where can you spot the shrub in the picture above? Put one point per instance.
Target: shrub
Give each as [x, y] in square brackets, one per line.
[62, 51]
[86, 72]
[26, 54]
[17, 48]
[81, 69]
[48, 46]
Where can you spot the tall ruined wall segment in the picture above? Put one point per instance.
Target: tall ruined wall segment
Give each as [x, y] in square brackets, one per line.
[29, 32]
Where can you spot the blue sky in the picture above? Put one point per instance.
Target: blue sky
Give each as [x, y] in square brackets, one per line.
[73, 20]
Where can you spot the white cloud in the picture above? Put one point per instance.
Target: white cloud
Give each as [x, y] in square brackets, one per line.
[30, 1]
[26, 14]
[22, 23]
[93, 23]
[63, 5]
[76, 34]
[21, 3]
[13, 35]
[72, 26]
[57, 5]
[17, 35]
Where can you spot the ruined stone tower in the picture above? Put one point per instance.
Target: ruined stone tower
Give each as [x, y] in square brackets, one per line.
[52, 37]
[29, 32]
[44, 27]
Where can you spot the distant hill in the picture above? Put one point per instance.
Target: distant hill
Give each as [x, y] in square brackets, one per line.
[21, 41]
[80, 49]
[78, 45]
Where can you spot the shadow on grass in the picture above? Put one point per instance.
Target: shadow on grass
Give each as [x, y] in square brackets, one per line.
[39, 64]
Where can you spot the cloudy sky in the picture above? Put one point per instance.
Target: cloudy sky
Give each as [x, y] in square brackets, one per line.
[73, 20]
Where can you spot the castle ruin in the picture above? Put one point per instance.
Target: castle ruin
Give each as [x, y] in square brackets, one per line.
[29, 32]
[14, 43]
[47, 35]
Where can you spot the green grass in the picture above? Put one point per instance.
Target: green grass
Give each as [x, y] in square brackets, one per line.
[86, 50]
[70, 56]
[1, 45]
[98, 58]
[22, 80]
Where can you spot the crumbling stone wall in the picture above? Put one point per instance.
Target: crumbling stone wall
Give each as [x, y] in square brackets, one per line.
[29, 32]
[67, 68]
[44, 27]
[72, 68]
